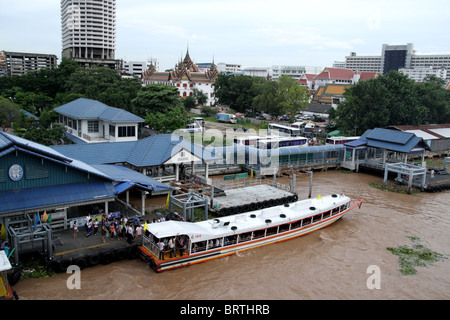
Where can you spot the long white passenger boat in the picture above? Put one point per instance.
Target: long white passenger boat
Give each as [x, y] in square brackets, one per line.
[216, 238]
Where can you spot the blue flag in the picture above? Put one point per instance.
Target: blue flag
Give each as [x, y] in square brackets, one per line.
[37, 220]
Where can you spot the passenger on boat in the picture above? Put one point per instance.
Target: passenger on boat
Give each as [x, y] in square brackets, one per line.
[181, 245]
[160, 245]
[172, 247]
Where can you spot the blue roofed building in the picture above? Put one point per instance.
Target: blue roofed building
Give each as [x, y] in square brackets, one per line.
[90, 121]
[36, 179]
[377, 147]
[150, 156]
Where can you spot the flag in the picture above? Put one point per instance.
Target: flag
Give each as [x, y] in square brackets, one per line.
[44, 217]
[36, 221]
[3, 232]
[251, 174]
[167, 201]
[49, 219]
[319, 197]
[145, 226]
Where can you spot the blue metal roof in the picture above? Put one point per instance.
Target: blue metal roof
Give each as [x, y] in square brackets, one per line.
[45, 197]
[91, 109]
[392, 140]
[151, 151]
[10, 142]
[130, 177]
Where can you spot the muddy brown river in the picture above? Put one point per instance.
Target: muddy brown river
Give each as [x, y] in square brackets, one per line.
[331, 263]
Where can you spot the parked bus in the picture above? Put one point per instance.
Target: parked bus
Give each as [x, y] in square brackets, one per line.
[275, 143]
[248, 140]
[283, 131]
[340, 140]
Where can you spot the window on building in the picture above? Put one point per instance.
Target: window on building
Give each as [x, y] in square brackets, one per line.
[127, 131]
[92, 126]
[112, 131]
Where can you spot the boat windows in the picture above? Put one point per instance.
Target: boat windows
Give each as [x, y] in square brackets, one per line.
[259, 234]
[306, 221]
[296, 224]
[227, 241]
[284, 227]
[327, 214]
[245, 237]
[317, 218]
[335, 211]
[198, 246]
[271, 231]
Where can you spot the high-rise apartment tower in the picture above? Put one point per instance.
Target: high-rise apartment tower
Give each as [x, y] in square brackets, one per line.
[89, 32]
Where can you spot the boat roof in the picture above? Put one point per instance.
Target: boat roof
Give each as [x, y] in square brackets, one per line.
[244, 222]
[4, 262]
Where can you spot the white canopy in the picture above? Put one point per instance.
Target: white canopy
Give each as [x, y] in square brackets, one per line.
[4, 262]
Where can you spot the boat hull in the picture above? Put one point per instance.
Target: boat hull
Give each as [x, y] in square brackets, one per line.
[179, 262]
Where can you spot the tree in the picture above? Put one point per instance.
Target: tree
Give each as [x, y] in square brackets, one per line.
[155, 98]
[404, 102]
[168, 121]
[236, 91]
[267, 99]
[200, 96]
[292, 96]
[366, 106]
[9, 113]
[436, 99]
[392, 99]
[34, 103]
[189, 102]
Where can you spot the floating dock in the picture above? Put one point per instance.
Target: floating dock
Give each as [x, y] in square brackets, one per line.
[251, 198]
[88, 251]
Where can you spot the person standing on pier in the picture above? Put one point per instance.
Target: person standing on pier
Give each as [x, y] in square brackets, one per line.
[104, 231]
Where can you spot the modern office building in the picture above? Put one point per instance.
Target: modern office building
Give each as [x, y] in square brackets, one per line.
[89, 32]
[396, 57]
[20, 63]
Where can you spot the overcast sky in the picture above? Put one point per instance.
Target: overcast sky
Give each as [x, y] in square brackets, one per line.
[253, 33]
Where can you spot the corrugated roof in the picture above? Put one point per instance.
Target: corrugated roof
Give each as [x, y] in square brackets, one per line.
[151, 151]
[392, 140]
[40, 150]
[62, 194]
[131, 177]
[91, 109]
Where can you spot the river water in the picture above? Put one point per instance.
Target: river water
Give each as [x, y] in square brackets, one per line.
[331, 263]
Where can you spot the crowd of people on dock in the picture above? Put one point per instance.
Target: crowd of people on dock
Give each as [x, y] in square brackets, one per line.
[114, 228]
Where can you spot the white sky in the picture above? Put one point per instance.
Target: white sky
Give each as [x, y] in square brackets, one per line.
[253, 33]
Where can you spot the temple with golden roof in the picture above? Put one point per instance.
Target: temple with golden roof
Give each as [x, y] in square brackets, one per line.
[186, 77]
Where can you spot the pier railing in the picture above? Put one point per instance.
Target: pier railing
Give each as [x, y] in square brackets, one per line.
[150, 245]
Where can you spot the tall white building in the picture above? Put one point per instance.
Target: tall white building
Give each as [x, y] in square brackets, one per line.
[396, 57]
[88, 30]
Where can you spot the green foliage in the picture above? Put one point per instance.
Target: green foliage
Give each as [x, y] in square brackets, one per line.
[415, 256]
[189, 102]
[9, 113]
[155, 98]
[392, 99]
[168, 120]
[240, 92]
[207, 111]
